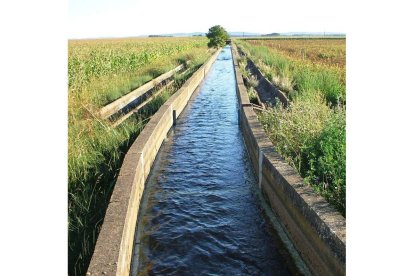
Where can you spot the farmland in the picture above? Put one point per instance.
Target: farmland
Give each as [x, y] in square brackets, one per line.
[310, 133]
[100, 71]
[329, 52]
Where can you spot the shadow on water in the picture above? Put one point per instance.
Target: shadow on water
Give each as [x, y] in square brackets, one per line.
[201, 213]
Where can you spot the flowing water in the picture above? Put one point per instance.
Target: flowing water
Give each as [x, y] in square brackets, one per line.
[200, 213]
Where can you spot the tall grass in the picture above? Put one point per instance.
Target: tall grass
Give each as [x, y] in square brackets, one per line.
[310, 133]
[92, 175]
[311, 137]
[99, 72]
[299, 76]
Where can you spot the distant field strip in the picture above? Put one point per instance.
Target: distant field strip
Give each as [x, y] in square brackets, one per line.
[329, 52]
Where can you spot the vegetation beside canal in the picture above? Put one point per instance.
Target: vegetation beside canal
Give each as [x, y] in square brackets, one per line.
[101, 71]
[310, 133]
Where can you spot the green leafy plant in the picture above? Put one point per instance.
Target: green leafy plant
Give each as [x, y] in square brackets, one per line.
[327, 161]
[217, 36]
[311, 137]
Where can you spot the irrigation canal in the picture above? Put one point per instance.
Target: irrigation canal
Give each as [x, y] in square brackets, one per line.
[201, 213]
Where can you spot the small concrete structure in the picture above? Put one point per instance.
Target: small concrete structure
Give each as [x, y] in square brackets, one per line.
[113, 249]
[316, 229]
[123, 101]
[266, 91]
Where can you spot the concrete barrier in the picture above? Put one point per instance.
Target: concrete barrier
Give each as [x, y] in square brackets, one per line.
[123, 101]
[113, 249]
[317, 231]
[267, 92]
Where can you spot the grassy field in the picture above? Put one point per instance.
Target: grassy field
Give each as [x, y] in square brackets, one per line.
[310, 133]
[100, 71]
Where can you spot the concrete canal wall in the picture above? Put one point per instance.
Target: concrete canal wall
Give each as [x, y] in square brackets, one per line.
[317, 231]
[113, 249]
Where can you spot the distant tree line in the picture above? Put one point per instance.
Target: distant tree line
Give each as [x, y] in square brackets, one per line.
[272, 34]
[160, 36]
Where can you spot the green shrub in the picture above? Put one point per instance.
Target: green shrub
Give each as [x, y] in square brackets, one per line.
[326, 159]
[311, 137]
[293, 129]
[217, 36]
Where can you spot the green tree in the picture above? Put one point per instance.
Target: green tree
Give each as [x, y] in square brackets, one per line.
[217, 36]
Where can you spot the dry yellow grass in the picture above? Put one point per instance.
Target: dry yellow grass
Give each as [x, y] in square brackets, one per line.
[330, 52]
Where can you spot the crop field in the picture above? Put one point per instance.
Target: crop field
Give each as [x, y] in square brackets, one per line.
[310, 133]
[100, 71]
[329, 52]
[127, 61]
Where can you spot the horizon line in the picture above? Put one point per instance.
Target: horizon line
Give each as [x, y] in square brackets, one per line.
[184, 34]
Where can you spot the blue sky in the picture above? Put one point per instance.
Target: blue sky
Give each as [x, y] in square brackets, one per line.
[104, 18]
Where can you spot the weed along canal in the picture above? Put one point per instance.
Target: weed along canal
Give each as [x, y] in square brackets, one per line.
[200, 213]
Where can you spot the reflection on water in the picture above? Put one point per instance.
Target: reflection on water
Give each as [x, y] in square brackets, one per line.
[200, 214]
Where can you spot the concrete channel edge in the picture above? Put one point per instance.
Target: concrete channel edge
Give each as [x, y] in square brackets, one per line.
[316, 229]
[113, 249]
